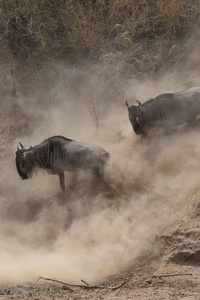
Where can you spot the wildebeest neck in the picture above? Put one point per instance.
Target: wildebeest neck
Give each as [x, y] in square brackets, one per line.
[44, 155]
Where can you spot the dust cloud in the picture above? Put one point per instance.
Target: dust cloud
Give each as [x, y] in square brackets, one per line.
[104, 227]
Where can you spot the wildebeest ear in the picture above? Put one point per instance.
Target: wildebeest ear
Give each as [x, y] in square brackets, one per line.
[20, 153]
[140, 109]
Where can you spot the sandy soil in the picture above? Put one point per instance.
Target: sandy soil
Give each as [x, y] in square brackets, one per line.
[139, 287]
[166, 264]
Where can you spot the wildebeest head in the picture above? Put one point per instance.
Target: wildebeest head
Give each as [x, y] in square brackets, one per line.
[23, 166]
[133, 112]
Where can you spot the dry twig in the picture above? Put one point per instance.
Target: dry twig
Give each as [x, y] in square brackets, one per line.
[86, 286]
[177, 274]
[85, 282]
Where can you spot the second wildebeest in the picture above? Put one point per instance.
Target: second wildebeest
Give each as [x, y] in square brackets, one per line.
[58, 154]
[165, 111]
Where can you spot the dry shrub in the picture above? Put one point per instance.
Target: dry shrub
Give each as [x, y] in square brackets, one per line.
[176, 14]
[132, 36]
[171, 12]
[91, 27]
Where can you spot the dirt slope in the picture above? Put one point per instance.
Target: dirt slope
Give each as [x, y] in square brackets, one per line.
[143, 223]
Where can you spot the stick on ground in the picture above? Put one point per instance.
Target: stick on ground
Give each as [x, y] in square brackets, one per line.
[86, 286]
[175, 274]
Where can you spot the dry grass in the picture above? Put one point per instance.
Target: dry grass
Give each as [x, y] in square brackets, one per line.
[120, 23]
[126, 35]
[94, 27]
[171, 13]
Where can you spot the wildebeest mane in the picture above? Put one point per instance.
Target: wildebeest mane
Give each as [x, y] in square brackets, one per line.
[57, 136]
[51, 141]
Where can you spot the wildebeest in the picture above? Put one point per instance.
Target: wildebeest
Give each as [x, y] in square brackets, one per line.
[166, 111]
[58, 154]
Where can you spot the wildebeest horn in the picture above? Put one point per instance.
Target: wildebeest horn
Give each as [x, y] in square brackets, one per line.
[18, 149]
[127, 103]
[21, 145]
[139, 103]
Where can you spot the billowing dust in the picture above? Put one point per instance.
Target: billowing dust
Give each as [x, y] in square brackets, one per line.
[104, 226]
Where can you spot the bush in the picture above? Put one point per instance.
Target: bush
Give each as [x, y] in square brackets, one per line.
[128, 32]
[69, 28]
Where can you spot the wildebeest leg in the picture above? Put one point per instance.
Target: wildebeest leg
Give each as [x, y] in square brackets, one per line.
[98, 172]
[62, 181]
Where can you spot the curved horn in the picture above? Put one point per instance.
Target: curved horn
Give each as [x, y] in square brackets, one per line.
[18, 149]
[127, 103]
[139, 103]
[21, 146]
